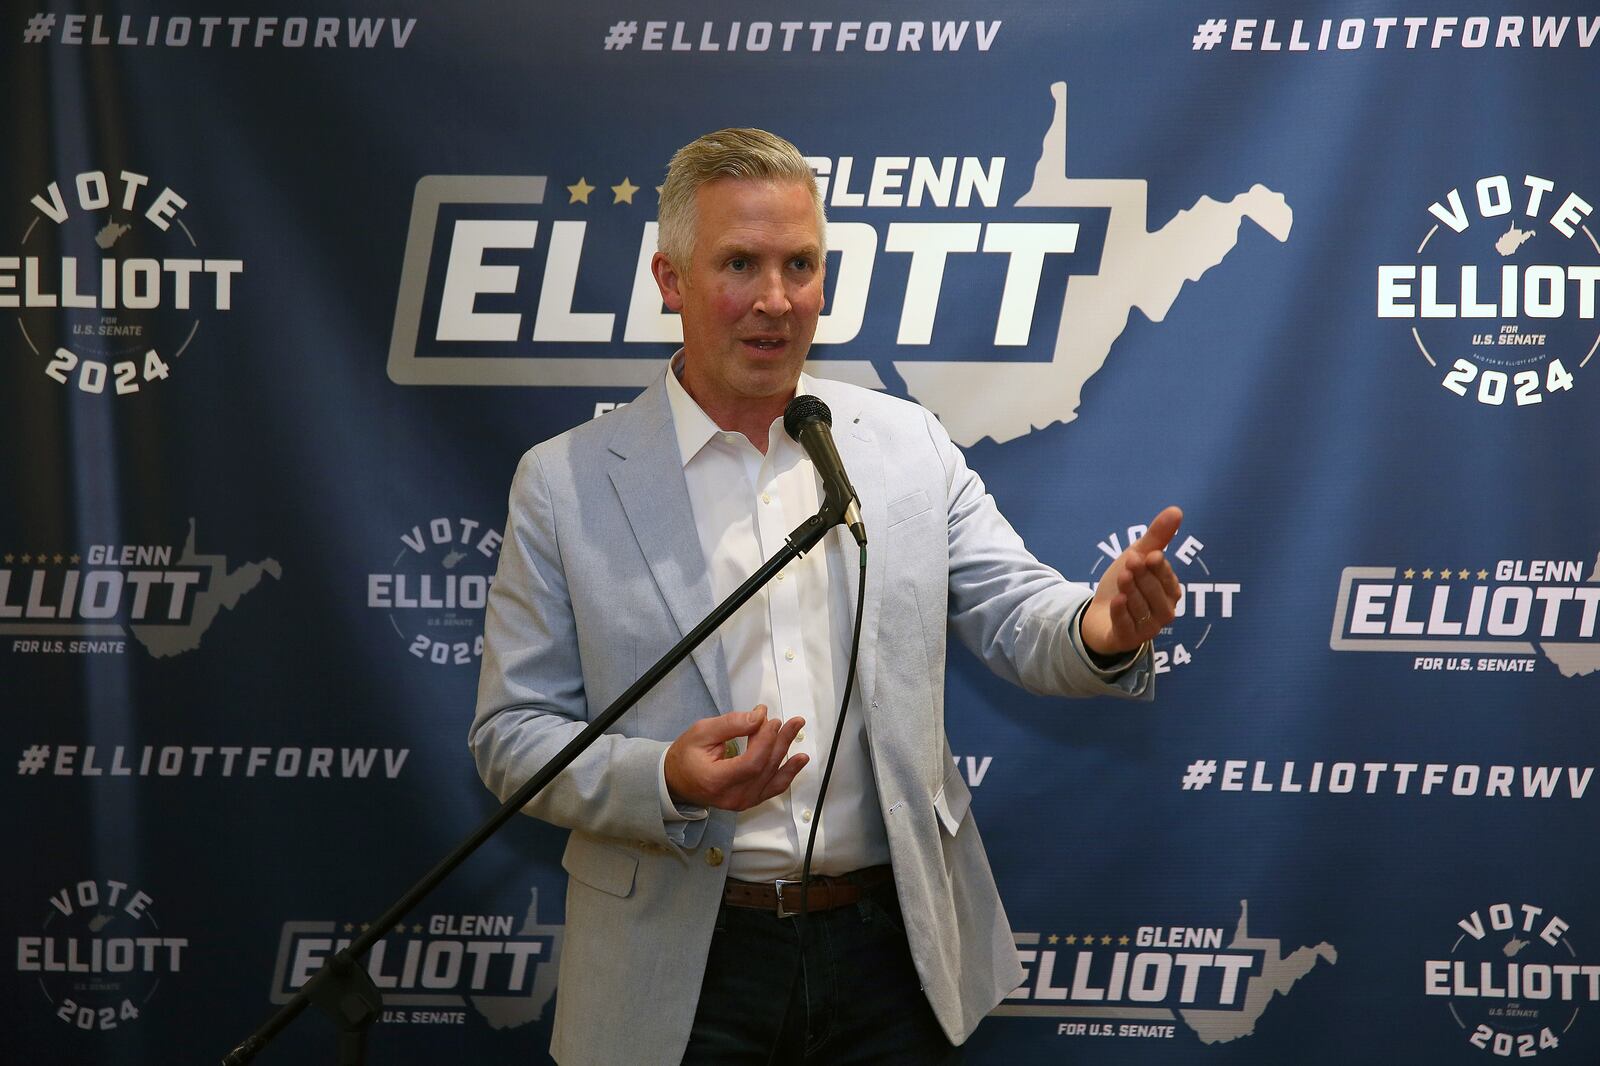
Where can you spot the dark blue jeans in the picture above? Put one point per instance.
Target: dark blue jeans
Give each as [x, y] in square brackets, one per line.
[859, 1001]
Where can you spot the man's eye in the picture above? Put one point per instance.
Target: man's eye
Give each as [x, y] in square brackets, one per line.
[738, 264]
[801, 264]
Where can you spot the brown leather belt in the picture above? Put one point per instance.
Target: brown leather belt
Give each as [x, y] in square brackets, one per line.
[823, 894]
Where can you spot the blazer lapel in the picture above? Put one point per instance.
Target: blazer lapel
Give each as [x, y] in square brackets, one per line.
[863, 463]
[650, 484]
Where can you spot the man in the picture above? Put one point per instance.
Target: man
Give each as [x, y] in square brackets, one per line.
[689, 818]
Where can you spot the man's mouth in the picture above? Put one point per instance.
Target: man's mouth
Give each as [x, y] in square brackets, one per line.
[765, 344]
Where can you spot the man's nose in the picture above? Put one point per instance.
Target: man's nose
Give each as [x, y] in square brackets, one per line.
[772, 297]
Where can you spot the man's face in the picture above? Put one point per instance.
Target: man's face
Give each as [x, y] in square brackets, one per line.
[751, 294]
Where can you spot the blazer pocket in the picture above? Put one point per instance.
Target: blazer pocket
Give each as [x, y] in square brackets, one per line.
[600, 866]
[907, 507]
[952, 800]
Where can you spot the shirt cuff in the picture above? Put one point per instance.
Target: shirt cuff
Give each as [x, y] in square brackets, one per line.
[1109, 673]
[674, 819]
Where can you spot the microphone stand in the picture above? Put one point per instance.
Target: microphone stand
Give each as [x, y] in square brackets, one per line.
[343, 989]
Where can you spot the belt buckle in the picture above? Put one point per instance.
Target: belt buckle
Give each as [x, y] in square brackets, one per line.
[778, 884]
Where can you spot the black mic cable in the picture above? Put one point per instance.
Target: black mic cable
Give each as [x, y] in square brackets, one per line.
[808, 421]
[822, 794]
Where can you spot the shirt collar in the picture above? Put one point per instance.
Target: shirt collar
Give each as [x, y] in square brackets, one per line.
[692, 425]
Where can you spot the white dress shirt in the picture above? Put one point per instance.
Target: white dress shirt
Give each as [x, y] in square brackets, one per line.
[787, 647]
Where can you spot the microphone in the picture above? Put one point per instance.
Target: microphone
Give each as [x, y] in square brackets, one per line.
[808, 420]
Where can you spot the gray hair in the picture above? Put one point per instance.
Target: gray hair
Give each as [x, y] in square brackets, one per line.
[750, 154]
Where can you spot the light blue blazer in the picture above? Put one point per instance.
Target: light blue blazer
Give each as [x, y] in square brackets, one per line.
[602, 571]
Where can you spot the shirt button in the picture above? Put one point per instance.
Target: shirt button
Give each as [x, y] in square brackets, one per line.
[800, 735]
[780, 575]
[713, 856]
[789, 655]
[805, 815]
[766, 497]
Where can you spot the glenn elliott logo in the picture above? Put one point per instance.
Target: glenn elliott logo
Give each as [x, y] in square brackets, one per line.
[1466, 616]
[544, 280]
[100, 955]
[502, 965]
[1500, 291]
[90, 602]
[435, 588]
[1513, 980]
[110, 284]
[1111, 984]
[1206, 600]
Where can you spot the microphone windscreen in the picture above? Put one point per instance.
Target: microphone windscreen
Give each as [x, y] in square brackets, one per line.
[803, 409]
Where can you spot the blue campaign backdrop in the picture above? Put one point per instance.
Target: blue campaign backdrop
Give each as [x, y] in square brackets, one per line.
[291, 292]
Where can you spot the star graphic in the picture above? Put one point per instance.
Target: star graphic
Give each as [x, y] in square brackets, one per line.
[1106, 939]
[623, 194]
[1123, 939]
[1444, 573]
[580, 192]
[349, 928]
[417, 928]
[26, 558]
[76, 558]
[1070, 938]
[1410, 574]
[1482, 574]
[1427, 573]
[1052, 938]
[10, 558]
[1089, 939]
[1463, 574]
[57, 558]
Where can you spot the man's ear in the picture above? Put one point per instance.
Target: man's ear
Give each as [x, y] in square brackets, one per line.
[668, 280]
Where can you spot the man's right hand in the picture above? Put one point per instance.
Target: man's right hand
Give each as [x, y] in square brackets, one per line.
[702, 771]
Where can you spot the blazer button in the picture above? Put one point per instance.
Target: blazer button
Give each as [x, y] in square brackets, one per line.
[713, 856]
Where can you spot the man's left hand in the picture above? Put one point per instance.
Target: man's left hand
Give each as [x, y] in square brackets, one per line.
[1138, 595]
